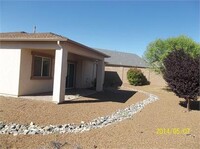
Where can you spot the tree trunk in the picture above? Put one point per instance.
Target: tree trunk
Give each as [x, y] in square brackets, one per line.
[188, 104]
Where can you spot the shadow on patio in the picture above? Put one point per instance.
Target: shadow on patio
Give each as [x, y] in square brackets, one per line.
[87, 96]
[108, 95]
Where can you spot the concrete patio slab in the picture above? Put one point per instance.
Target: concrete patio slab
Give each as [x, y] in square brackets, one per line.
[70, 94]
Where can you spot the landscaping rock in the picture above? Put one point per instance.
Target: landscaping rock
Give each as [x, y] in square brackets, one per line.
[2, 125]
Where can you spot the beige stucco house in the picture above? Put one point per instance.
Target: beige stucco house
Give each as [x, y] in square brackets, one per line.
[32, 63]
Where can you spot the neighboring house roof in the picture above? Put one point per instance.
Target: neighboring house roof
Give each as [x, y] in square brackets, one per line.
[123, 59]
[24, 36]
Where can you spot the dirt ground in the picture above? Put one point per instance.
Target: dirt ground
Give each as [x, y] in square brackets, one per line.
[142, 131]
[24, 111]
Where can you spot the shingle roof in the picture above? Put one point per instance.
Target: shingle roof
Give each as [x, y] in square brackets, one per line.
[123, 59]
[23, 36]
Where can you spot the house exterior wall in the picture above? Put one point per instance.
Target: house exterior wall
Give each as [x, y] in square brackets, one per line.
[155, 79]
[78, 80]
[85, 70]
[16, 66]
[88, 73]
[84, 73]
[9, 71]
[32, 86]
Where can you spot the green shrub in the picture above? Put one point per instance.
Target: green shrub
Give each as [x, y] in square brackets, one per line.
[136, 77]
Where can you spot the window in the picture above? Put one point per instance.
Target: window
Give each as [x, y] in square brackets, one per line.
[41, 67]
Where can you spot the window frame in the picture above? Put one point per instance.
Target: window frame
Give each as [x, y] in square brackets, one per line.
[42, 55]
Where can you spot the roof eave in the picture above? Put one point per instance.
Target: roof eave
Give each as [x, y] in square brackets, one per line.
[77, 43]
[25, 39]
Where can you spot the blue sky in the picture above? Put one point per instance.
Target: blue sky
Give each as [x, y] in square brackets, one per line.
[127, 26]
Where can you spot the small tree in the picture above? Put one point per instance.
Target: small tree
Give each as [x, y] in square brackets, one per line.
[181, 72]
[158, 50]
[136, 77]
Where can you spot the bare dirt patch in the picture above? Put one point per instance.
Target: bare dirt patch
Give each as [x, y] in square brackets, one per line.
[137, 132]
[24, 111]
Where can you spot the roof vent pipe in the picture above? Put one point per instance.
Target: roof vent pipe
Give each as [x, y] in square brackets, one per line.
[34, 29]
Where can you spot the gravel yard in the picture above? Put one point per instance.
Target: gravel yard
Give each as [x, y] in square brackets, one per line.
[25, 111]
[140, 131]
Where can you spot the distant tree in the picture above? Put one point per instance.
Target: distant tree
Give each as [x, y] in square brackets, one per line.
[136, 77]
[158, 50]
[182, 73]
